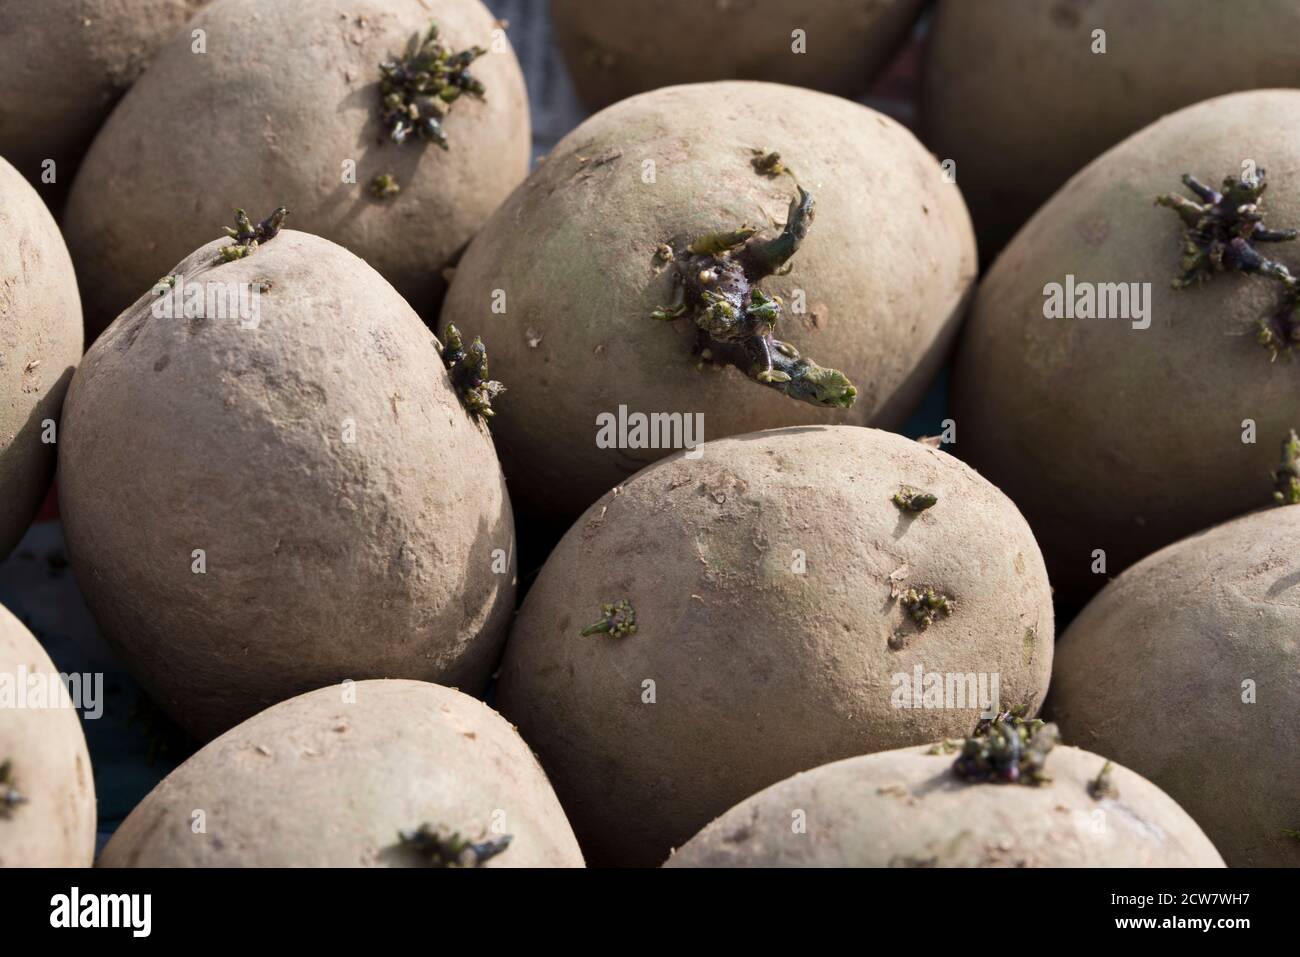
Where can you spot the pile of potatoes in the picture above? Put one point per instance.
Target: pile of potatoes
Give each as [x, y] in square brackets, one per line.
[468, 511]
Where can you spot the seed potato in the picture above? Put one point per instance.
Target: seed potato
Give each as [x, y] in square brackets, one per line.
[47, 793]
[768, 579]
[1186, 668]
[40, 345]
[1019, 96]
[255, 508]
[1117, 439]
[563, 279]
[906, 808]
[334, 777]
[63, 65]
[285, 97]
[617, 48]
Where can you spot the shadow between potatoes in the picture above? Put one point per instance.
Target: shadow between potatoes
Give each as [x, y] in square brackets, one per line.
[24, 503]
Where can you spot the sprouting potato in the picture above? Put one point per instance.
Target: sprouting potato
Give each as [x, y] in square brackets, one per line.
[759, 255]
[714, 625]
[302, 104]
[286, 494]
[1118, 435]
[907, 808]
[365, 774]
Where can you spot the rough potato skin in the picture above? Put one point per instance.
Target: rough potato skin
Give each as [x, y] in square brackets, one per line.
[40, 345]
[1015, 94]
[325, 558]
[285, 95]
[1153, 672]
[1122, 439]
[63, 64]
[323, 781]
[885, 272]
[759, 670]
[49, 766]
[905, 808]
[618, 48]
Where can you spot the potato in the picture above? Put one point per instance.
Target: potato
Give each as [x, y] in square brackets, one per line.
[1019, 96]
[40, 345]
[768, 640]
[348, 776]
[1187, 669]
[563, 279]
[906, 808]
[1113, 438]
[63, 64]
[258, 507]
[47, 793]
[283, 108]
[617, 48]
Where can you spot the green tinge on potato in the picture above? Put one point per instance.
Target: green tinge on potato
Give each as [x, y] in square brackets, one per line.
[904, 808]
[351, 776]
[47, 791]
[1186, 669]
[766, 578]
[1018, 96]
[283, 108]
[563, 278]
[284, 495]
[40, 345]
[617, 48]
[1116, 436]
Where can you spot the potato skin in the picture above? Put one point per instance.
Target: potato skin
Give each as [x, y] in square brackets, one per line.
[886, 270]
[905, 808]
[320, 781]
[1013, 92]
[286, 94]
[1121, 439]
[761, 671]
[40, 345]
[1153, 671]
[63, 64]
[325, 559]
[49, 766]
[618, 48]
